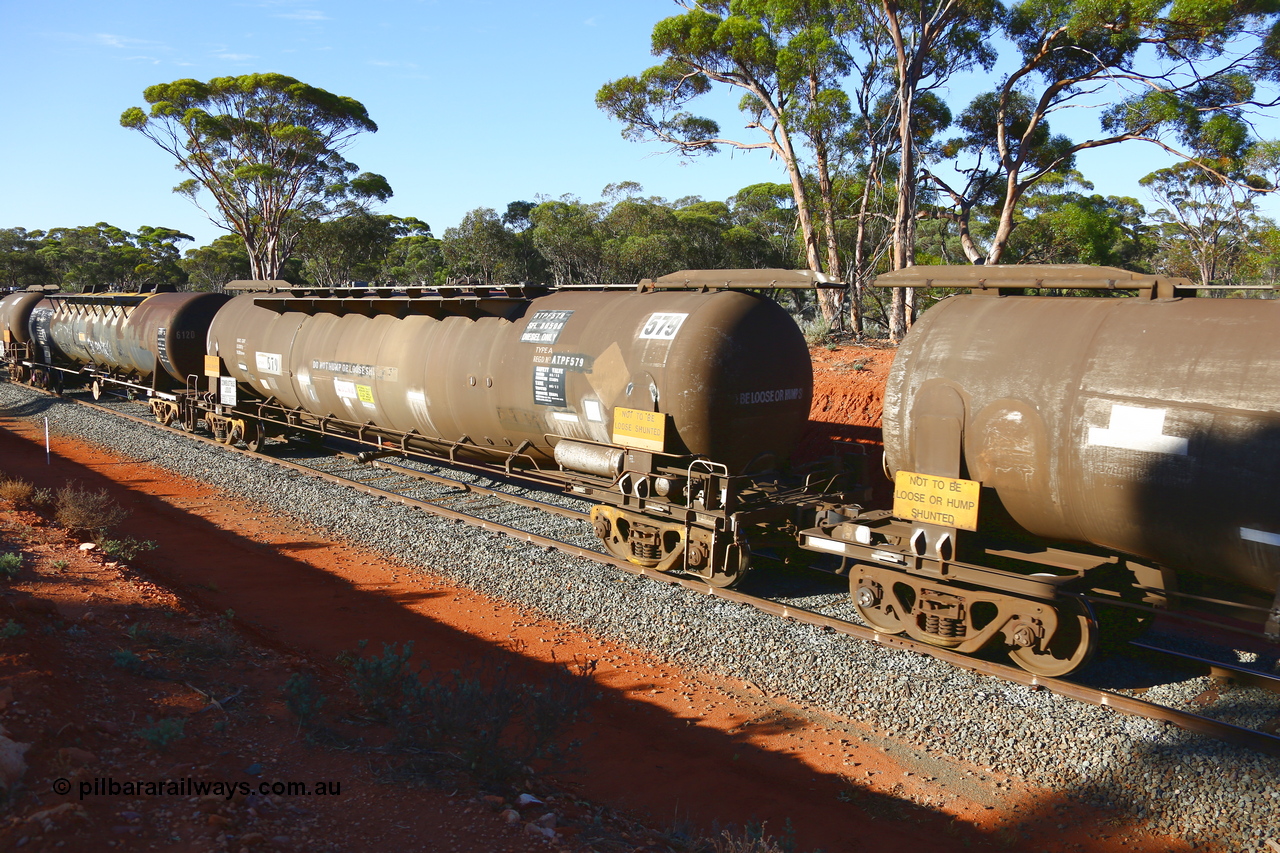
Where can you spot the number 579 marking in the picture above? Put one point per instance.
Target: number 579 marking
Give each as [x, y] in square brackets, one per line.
[662, 327]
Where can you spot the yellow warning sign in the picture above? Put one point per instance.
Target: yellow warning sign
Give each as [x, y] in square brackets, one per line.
[936, 500]
[365, 393]
[639, 429]
[212, 366]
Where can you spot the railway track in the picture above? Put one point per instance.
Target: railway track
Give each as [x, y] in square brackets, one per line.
[465, 498]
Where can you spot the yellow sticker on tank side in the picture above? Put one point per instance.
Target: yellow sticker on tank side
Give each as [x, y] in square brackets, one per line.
[936, 500]
[639, 429]
[365, 393]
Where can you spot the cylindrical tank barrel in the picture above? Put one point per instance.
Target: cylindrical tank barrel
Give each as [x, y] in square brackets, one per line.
[722, 374]
[135, 333]
[1146, 426]
[15, 314]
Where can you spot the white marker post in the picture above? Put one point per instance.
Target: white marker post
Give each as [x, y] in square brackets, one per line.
[47, 460]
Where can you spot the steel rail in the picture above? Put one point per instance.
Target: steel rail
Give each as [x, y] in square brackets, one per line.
[342, 454]
[471, 487]
[426, 505]
[1196, 723]
[1219, 669]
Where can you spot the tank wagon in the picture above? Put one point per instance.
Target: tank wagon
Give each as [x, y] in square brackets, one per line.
[1054, 452]
[671, 404]
[15, 333]
[1055, 458]
[151, 342]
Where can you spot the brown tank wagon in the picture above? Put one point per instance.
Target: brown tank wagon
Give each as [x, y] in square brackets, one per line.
[148, 341]
[15, 314]
[1148, 426]
[1039, 443]
[15, 333]
[663, 401]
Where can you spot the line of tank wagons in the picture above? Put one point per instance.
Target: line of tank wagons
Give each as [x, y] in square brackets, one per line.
[1053, 457]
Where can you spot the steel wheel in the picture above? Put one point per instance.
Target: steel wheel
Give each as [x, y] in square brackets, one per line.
[737, 560]
[96, 389]
[1068, 649]
[254, 436]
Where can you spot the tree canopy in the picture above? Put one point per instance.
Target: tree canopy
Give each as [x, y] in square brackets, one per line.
[851, 98]
[268, 149]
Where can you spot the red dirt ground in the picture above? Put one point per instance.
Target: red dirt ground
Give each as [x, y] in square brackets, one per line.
[662, 747]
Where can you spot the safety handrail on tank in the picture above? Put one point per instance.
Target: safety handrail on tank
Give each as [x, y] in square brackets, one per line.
[461, 289]
[108, 300]
[759, 279]
[997, 278]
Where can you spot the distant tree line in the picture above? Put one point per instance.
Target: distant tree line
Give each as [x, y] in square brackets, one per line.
[1199, 232]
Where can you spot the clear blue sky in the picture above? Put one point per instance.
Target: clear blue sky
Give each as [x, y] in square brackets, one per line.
[478, 103]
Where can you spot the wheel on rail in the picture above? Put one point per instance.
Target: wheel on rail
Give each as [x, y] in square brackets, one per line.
[96, 389]
[1070, 647]
[254, 435]
[732, 569]
[877, 606]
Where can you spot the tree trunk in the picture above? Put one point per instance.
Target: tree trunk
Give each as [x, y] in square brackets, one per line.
[828, 300]
[904, 214]
[803, 215]
[859, 259]
[1004, 229]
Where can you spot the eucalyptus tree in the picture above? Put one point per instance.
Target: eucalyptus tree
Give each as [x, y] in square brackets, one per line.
[1057, 223]
[1181, 76]
[932, 40]
[768, 210]
[480, 246]
[20, 265]
[352, 247]
[527, 263]
[788, 59]
[641, 238]
[1203, 221]
[567, 234]
[415, 257]
[104, 255]
[267, 148]
[159, 260]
